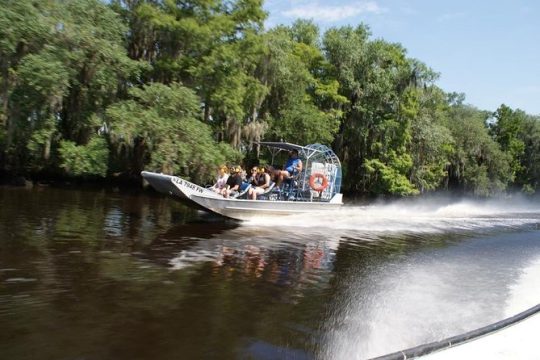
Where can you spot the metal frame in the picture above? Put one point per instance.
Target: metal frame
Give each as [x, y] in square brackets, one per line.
[309, 154]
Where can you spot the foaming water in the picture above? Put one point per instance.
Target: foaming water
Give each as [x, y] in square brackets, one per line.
[518, 341]
[432, 295]
[414, 217]
[525, 292]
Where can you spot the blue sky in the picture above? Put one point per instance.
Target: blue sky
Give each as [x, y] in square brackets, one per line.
[489, 50]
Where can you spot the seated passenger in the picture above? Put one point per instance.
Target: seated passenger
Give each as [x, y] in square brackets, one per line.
[223, 175]
[261, 184]
[273, 172]
[233, 182]
[291, 168]
[252, 178]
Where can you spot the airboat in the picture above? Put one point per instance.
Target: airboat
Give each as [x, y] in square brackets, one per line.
[314, 189]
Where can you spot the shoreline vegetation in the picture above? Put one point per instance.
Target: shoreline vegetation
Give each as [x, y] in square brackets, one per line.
[96, 92]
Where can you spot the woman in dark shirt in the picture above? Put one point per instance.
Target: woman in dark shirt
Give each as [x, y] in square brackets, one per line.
[253, 177]
[262, 183]
[233, 182]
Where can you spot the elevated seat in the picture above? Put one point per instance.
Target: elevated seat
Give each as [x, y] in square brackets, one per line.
[290, 187]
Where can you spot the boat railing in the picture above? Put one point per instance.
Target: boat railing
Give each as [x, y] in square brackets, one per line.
[317, 159]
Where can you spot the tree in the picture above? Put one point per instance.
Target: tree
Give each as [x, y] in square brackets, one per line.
[23, 30]
[212, 47]
[507, 130]
[530, 160]
[303, 104]
[62, 67]
[375, 132]
[432, 143]
[477, 165]
[160, 129]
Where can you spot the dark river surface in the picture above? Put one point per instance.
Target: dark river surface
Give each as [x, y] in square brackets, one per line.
[95, 274]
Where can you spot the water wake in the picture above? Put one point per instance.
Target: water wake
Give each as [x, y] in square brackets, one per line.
[432, 295]
[525, 292]
[414, 217]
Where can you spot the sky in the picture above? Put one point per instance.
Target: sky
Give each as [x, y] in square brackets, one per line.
[489, 50]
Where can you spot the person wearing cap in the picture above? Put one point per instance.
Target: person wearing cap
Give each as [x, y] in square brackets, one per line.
[223, 175]
[292, 167]
[233, 182]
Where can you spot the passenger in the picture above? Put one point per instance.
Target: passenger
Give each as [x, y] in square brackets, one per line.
[291, 168]
[262, 183]
[273, 172]
[246, 180]
[243, 175]
[254, 175]
[233, 182]
[223, 175]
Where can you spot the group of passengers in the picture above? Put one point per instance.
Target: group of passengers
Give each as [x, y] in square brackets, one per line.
[260, 181]
[261, 178]
[228, 183]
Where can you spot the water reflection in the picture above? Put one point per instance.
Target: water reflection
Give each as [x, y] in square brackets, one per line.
[106, 275]
[230, 249]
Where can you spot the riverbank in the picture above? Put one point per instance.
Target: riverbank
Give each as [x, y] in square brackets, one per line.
[135, 183]
[29, 181]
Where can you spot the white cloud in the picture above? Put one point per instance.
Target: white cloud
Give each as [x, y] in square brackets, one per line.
[326, 13]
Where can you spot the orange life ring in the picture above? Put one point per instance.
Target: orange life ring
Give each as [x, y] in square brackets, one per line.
[315, 186]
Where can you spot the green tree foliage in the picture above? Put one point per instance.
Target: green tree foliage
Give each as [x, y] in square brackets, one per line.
[530, 160]
[93, 36]
[517, 134]
[23, 31]
[301, 104]
[376, 129]
[63, 62]
[432, 143]
[477, 164]
[91, 87]
[160, 130]
[507, 129]
[89, 159]
[210, 45]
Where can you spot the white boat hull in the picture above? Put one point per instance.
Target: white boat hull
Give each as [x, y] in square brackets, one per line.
[239, 209]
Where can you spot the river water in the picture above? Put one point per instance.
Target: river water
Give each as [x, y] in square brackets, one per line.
[95, 274]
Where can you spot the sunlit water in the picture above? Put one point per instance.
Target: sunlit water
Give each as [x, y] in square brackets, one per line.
[112, 275]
